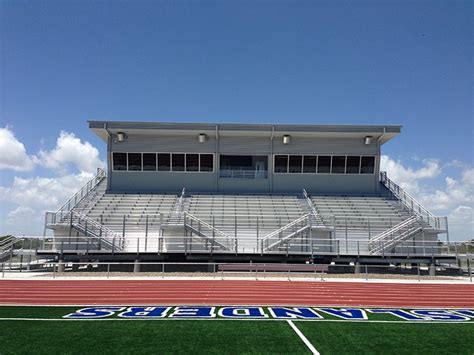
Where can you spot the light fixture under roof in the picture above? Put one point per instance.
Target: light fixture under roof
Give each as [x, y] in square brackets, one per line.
[286, 139]
[202, 137]
[368, 140]
[121, 136]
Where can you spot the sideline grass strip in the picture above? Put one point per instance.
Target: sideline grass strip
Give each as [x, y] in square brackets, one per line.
[389, 338]
[234, 337]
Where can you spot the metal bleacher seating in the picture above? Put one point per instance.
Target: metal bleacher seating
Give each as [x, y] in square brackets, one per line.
[250, 216]
[358, 218]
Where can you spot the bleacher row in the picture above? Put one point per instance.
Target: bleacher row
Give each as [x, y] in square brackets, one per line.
[354, 218]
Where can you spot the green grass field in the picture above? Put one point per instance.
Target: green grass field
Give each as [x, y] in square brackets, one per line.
[168, 336]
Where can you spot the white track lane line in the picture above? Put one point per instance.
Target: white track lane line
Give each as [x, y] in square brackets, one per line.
[302, 337]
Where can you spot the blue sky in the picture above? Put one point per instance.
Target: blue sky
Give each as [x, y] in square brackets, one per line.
[352, 62]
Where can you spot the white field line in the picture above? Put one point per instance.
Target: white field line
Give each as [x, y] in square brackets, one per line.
[229, 320]
[303, 338]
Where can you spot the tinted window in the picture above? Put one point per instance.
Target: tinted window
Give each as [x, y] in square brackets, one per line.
[281, 163]
[134, 161]
[164, 162]
[296, 162]
[206, 162]
[353, 165]
[149, 161]
[338, 165]
[324, 164]
[120, 161]
[178, 162]
[192, 162]
[367, 165]
[309, 164]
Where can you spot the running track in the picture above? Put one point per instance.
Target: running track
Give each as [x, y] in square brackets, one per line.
[227, 292]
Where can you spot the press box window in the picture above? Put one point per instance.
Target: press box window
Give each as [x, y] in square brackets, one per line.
[192, 162]
[164, 162]
[134, 161]
[353, 164]
[309, 164]
[324, 164]
[120, 161]
[281, 163]
[149, 162]
[206, 162]
[296, 163]
[367, 165]
[178, 162]
[338, 165]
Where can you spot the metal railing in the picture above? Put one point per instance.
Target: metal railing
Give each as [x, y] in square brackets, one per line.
[176, 216]
[105, 237]
[317, 217]
[283, 234]
[194, 244]
[243, 174]
[310, 271]
[391, 237]
[214, 238]
[6, 246]
[75, 199]
[437, 223]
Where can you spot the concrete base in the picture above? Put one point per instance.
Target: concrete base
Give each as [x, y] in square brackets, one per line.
[357, 268]
[61, 266]
[136, 266]
[432, 269]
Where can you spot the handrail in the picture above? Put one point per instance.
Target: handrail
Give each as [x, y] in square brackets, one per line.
[396, 228]
[410, 202]
[104, 230]
[243, 174]
[313, 209]
[87, 187]
[207, 225]
[289, 225]
[8, 242]
[179, 207]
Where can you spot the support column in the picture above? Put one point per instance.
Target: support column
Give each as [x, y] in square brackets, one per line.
[357, 268]
[61, 266]
[432, 269]
[136, 266]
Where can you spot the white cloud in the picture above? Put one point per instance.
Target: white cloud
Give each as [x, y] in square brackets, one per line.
[455, 198]
[73, 161]
[13, 153]
[71, 150]
[34, 196]
[408, 178]
[21, 218]
[40, 192]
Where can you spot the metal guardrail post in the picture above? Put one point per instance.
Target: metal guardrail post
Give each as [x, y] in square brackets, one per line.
[469, 269]
[146, 233]
[257, 233]
[123, 227]
[347, 243]
[213, 235]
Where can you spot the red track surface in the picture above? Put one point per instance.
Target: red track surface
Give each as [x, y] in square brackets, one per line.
[218, 292]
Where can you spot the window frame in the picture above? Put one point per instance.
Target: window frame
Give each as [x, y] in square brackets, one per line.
[171, 163]
[330, 164]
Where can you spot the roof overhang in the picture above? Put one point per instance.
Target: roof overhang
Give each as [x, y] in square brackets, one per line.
[383, 133]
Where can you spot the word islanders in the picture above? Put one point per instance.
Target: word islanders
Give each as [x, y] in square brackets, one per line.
[245, 312]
